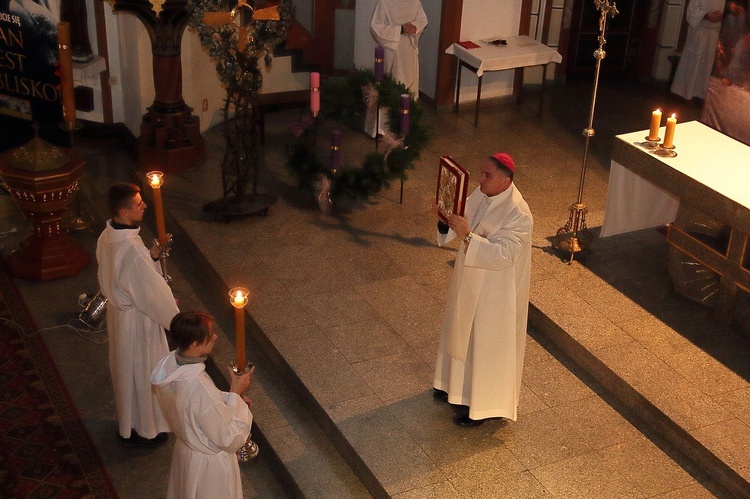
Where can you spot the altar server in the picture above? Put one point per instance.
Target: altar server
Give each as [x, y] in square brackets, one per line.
[482, 340]
[397, 25]
[696, 61]
[140, 306]
[210, 425]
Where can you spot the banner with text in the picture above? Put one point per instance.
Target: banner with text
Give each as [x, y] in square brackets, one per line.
[29, 78]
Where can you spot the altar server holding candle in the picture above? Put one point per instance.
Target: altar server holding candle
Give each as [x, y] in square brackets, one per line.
[210, 425]
[140, 306]
[397, 25]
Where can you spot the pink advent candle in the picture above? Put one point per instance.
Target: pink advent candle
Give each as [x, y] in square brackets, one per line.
[669, 132]
[653, 132]
[405, 101]
[315, 93]
[335, 149]
[379, 59]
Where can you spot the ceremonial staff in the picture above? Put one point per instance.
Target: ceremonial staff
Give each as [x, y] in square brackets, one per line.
[574, 236]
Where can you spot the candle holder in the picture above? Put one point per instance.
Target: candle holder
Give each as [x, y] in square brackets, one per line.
[664, 151]
[648, 145]
[649, 139]
[163, 255]
[235, 370]
[238, 297]
[248, 451]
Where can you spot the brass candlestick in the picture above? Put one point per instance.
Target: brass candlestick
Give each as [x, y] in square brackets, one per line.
[574, 236]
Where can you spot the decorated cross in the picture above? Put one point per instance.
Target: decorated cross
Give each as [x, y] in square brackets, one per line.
[235, 18]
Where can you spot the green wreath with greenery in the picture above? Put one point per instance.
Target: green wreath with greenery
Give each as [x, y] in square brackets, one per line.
[341, 100]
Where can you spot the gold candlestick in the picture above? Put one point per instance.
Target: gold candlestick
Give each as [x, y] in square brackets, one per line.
[574, 236]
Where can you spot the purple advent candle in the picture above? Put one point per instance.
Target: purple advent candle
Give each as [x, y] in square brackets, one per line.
[379, 58]
[405, 104]
[335, 149]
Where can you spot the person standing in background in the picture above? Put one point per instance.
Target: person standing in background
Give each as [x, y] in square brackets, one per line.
[397, 25]
[697, 59]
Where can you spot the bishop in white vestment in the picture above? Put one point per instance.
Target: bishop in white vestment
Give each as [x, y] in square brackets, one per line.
[482, 340]
[140, 306]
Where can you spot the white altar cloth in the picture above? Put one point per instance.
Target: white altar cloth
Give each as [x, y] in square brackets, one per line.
[703, 154]
[521, 51]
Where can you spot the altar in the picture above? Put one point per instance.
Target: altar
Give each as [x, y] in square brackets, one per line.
[702, 195]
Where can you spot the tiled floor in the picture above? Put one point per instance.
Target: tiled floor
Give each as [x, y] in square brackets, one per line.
[350, 303]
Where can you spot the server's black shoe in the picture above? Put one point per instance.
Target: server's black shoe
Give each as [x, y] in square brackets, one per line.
[136, 440]
[440, 395]
[466, 422]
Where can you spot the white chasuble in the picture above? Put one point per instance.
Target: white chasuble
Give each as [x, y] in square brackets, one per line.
[482, 340]
[140, 306]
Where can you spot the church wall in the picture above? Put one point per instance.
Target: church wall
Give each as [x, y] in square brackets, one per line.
[429, 48]
[136, 81]
[485, 19]
[201, 87]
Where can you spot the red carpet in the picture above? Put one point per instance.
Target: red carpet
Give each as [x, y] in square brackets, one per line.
[44, 448]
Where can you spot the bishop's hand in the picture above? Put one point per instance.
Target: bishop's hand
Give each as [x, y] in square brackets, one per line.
[459, 225]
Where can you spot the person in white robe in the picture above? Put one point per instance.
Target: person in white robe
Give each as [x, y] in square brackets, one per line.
[210, 425]
[482, 340]
[697, 59]
[397, 26]
[140, 306]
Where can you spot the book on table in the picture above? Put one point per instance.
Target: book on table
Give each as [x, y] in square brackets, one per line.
[468, 45]
[452, 187]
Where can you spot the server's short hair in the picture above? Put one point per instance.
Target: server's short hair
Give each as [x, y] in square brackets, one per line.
[119, 197]
[189, 327]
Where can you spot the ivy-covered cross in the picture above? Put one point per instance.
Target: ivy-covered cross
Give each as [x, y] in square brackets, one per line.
[235, 18]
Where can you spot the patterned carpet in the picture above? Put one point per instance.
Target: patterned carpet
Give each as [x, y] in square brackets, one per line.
[44, 448]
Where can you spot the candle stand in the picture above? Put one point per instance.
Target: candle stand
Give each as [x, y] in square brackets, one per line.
[238, 297]
[156, 180]
[575, 236]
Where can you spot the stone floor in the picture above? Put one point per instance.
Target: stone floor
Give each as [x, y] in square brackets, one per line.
[629, 389]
